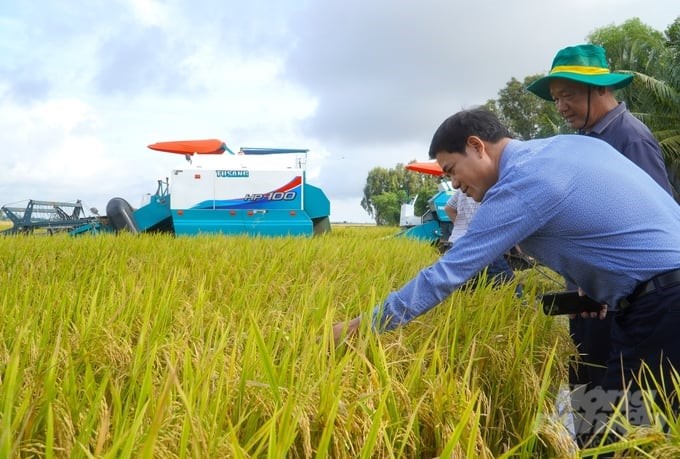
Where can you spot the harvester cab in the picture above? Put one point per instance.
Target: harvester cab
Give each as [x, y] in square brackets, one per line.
[257, 191]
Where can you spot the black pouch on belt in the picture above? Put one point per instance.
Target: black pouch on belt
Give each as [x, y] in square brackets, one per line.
[569, 302]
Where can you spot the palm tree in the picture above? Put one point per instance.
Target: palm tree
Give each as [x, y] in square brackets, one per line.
[662, 111]
[663, 118]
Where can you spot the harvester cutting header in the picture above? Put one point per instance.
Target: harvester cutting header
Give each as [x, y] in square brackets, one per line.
[256, 191]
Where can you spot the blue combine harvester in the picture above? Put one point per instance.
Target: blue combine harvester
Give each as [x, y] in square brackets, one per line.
[257, 191]
[434, 226]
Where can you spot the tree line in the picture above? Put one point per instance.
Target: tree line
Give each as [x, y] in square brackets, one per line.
[654, 97]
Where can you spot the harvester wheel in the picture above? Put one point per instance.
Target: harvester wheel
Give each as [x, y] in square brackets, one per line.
[321, 225]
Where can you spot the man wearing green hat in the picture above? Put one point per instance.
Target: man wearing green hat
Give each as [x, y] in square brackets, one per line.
[581, 85]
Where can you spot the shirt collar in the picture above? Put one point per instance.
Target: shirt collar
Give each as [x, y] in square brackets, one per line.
[607, 119]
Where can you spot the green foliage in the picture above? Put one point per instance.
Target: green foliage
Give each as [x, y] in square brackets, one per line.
[526, 115]
[631, 46]
[387, 189]
[388, 206]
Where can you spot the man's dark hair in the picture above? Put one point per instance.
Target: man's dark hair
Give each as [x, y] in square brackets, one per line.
[453, 133]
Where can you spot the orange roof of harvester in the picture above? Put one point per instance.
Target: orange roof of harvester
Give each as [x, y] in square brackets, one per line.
[190, 147]
[431, 168]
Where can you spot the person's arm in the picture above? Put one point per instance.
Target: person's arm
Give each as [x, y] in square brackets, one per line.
[506, 218]
[451, 212]
[342, 330]
[451, 207]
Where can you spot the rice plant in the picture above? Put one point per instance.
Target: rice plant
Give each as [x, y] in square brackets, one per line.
[211, 346]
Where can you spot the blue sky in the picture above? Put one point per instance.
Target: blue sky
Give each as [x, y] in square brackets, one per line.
[86, 86]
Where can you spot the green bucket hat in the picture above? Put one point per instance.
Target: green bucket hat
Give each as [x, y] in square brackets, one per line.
[585, 64]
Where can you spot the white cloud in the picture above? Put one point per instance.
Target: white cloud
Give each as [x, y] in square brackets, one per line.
[150, 12]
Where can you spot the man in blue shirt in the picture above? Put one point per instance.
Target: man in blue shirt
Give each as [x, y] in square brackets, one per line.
[581, 85]
[579, 207]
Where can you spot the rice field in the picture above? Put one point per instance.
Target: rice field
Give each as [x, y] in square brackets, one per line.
[206, 347]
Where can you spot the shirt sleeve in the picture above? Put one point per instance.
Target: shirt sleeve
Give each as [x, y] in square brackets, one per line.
[453, 201]
[501, 221]
[648, 157]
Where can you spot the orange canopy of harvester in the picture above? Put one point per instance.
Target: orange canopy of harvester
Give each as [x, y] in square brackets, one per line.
[431, 168]
[190, 147]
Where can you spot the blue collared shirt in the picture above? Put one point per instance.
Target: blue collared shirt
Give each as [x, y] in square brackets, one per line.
[575, 204]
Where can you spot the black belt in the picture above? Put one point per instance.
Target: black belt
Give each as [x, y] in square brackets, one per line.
[662, 281]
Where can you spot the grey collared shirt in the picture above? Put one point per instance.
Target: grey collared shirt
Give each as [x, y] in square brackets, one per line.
[623, 131]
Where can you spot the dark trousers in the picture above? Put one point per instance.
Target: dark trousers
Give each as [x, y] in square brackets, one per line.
[648, 331]
[499, 271]
[592, 338]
